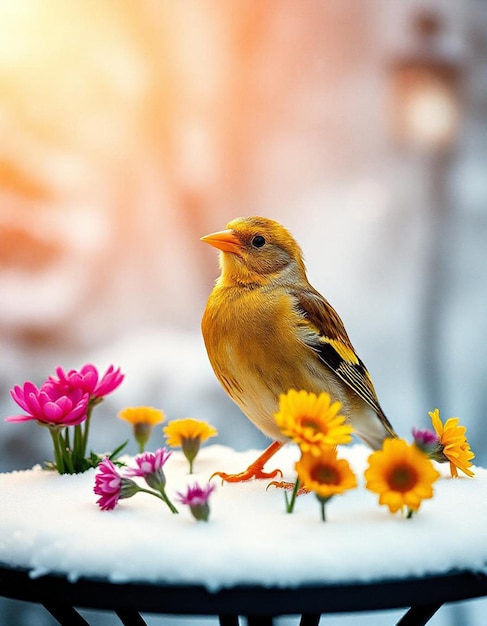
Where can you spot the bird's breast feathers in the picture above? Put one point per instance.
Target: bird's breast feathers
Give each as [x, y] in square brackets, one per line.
[259, 351]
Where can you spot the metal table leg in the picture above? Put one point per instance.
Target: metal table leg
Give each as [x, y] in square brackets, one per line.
[130, 618]
[419, 615]
[66, 615]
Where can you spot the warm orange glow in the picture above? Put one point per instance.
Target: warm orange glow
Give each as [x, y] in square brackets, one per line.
[130, 129]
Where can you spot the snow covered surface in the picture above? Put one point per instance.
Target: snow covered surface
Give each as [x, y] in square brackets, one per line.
[51, 523]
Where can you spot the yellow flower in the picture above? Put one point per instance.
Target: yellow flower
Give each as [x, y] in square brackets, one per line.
[142, 415]
[401, 474]
[143, 419]
[179, 430]
[312, 421]
[326, 475]
[454, 445]
[188, 434]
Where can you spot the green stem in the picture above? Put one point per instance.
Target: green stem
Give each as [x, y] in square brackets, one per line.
[162, 496]
[190, 447]
[65, 439]
[171, 506]
[290, 503]
[58, 458]
[66, 452]
[68, 461]
[323, 511]
[409, 514]
[84, 439]
[78, 452]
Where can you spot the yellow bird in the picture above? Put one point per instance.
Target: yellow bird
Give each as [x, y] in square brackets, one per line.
[267, 330]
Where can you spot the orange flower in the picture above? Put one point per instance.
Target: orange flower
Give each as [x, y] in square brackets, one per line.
[401, 474]
[454, 446]
[312, 421]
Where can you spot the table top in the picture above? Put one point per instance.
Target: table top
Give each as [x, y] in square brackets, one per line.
[50, 526]
[242, 599]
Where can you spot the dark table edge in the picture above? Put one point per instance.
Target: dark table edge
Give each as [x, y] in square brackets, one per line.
[15, 583]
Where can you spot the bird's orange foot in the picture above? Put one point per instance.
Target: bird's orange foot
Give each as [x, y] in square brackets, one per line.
[283, 484]
[253, 471]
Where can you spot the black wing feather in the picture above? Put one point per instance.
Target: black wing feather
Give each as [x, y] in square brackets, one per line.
[330, 330]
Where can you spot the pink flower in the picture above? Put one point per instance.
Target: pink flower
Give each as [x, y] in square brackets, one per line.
[426, 440]
[197, 498]
[87, 379]
[51, 404]
[149, 462]
[149, 467]
[112, 486]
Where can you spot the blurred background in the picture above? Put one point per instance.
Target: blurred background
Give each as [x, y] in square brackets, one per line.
[130, 129]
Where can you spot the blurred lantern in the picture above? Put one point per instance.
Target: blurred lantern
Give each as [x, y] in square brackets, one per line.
[425, 116]
[426, 90]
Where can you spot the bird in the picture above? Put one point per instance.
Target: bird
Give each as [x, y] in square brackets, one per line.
[267, 330]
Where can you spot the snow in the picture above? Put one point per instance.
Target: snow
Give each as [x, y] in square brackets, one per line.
[51, 524]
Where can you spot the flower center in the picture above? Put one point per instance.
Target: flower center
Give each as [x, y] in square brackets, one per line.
[402, 478]
[325, 474]
[114, 482]
[312, 424]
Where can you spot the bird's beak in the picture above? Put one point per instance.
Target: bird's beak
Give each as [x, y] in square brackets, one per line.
[224, 240]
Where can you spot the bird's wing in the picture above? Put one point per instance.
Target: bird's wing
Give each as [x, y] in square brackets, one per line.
[334, 348]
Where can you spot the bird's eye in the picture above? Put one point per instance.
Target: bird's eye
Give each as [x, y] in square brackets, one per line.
[258, 241]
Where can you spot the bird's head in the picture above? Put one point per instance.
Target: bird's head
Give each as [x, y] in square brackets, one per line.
[254, 249]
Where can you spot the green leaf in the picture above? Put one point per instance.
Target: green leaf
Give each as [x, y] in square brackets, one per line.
[117, 451]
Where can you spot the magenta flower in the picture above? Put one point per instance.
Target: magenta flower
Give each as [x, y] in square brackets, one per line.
[111, 486]
[425, 439]
[149, 467]
[149, 462]
[51, 404]
[87, 379]
[63, 402]
[197, 498]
